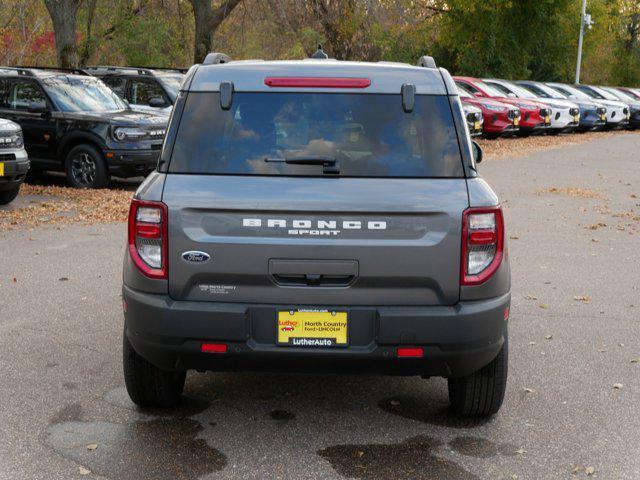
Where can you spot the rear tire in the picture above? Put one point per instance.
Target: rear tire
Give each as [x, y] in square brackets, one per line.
[7, 196]
[147, 385]
[86, 168]
[481, 393]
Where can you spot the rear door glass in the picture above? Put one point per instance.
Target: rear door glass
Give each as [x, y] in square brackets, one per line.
[370, 135]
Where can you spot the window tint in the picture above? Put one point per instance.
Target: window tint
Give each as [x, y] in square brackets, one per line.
[142, 91]
[117, 84]
[536, 90]
[23, 94]
[468, 87]
[4, 94]
[369, 135]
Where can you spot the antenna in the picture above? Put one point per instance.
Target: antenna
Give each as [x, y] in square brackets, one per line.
[320, 55]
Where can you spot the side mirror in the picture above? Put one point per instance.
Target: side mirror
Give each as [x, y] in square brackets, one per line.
[157, 102]
[37, 107]
[477, 151]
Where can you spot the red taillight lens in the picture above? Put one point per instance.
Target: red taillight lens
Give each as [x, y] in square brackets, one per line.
[482, 244]
[317, 82]
[148, 237]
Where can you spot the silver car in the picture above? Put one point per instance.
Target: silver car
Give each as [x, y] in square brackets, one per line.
[14, 162]
[317, 215]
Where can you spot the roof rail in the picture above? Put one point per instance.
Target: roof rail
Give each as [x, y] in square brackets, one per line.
[112, 68]
[140, 70]
[427, 62]
[73, 71]
[20, 71]
[215, 58]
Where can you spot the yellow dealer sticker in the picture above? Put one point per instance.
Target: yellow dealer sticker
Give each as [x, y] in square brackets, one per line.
[1, 169]
[312, 328]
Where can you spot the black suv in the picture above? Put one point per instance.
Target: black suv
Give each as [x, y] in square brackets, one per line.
[73, 122]
[146, 89]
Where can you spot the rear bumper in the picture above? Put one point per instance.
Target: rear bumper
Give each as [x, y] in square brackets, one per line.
[457, 340]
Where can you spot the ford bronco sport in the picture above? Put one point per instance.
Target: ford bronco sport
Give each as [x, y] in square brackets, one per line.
[73, 123]
[317, 215]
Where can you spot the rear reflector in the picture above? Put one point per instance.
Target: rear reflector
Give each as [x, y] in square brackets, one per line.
[320, 82]
[146, 230]
[213, 348]
[410, 352]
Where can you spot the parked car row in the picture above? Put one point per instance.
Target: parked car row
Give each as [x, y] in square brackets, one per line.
[550, 108]
[100, 121]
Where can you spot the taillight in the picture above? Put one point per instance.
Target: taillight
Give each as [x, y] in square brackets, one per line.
[148, 237]
[482, 244]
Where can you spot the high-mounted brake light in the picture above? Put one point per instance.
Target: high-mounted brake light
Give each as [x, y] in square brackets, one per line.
[320, 82]
[482, 244]
[148, 237]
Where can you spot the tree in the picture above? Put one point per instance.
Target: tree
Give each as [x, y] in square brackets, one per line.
[207, 20]
[64, 16]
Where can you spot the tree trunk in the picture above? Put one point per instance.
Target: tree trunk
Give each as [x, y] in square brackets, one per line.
[64, 16]
[207, 20]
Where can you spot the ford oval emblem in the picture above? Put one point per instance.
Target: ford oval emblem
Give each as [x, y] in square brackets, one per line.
[195, 257]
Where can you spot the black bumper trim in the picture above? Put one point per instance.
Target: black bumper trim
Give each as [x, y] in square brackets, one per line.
[458, 339]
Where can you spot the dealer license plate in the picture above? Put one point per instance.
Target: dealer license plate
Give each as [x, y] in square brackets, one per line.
[516, 121]
[312, 328]
[476, 125]
[547, 120]
[1, 169]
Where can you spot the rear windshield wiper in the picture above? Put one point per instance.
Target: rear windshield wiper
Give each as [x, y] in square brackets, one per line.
[329, 164]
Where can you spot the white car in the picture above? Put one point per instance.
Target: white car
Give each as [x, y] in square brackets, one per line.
[565, 115]
[14, 162]
[618, 113]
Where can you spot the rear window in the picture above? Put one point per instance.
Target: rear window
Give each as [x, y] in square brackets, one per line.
[368, 135]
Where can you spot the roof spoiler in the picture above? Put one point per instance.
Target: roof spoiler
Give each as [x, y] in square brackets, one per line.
[214, 58]
[427, 62]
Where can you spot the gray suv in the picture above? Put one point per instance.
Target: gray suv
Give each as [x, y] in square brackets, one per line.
[317, 215]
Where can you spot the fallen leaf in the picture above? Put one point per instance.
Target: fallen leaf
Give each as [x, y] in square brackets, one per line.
[548, 337]
[63, 279]
[635, 360]
[589, 471]
[360, 453]
[521, 451]
[544, 306]
[532, 343]
[582, 298]
[530, 297]
[15, 279]
[529, 390]
[84, 471]
[514, 237]
[92, 446]
[618, 386]
[394, 403]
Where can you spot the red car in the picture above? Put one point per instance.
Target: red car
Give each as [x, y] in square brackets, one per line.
[536, 116]
[499, 118]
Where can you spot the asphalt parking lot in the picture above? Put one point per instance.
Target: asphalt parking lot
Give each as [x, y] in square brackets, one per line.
[573, 219]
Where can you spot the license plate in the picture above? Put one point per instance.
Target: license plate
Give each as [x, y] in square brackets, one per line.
[516, 121]
[603, 117]
[476, 126]
[312, 328]
[576, 118]
[547, 120]
[1, 169]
